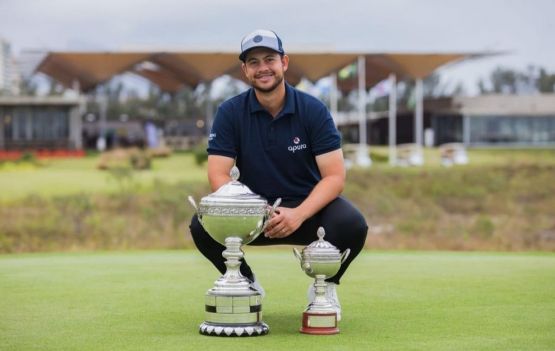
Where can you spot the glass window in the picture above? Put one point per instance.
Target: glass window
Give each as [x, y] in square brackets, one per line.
[520, 130]
[50, 123]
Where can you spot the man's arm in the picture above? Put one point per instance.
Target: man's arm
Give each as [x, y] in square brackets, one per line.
[288, 220]
[218, 170]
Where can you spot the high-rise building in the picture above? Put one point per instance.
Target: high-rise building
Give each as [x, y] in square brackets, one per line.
[9, 74]
[4, 59]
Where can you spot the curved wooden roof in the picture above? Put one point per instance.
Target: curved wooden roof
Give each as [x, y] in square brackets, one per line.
[172, 70]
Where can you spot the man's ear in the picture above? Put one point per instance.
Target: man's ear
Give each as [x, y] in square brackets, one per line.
[285, 62]
[244, 68]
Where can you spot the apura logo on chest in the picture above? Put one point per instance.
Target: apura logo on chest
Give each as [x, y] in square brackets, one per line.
[297, 146]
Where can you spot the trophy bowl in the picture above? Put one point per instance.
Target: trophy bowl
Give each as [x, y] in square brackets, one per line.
[320, 257]
[320, 260]
[233, 215]
[233, 211]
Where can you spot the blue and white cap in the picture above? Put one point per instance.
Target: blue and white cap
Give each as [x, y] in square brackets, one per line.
[261, 38]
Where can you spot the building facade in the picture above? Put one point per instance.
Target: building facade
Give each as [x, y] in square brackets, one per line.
[481, 121]
[41, 123]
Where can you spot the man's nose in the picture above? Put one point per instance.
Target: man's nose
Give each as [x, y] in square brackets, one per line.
[263, 66]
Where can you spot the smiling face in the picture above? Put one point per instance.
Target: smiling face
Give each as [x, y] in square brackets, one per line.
[265, 69]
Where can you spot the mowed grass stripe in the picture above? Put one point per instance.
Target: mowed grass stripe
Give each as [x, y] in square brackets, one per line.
[391, 301]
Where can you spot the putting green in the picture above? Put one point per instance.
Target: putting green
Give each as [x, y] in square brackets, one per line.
[391, 301]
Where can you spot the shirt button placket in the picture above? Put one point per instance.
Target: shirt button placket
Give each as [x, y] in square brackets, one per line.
[271, 134]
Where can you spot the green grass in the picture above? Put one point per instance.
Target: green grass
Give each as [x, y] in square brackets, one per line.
[476, 158]
[391, 301]
[70, 176]
[502, 200]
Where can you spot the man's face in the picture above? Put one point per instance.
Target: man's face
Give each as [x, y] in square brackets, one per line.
[264, 69]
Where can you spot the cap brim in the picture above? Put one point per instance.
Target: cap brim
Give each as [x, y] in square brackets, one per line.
[243, 55]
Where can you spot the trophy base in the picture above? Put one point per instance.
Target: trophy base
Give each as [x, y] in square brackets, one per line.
[258, 329]
[319, 323]
[233, 315]
[232, 306]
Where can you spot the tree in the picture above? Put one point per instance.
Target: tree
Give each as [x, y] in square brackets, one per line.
[545, 82]
[511, 81]
[431, 87]
[504, 80]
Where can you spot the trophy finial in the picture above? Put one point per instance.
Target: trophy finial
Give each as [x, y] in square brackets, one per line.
[234, 173]
[321, 232]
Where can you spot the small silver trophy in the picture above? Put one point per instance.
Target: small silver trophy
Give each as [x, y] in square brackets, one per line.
[233, 215]
[320, 260]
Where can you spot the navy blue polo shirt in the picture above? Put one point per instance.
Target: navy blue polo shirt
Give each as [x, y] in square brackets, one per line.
[276, 156]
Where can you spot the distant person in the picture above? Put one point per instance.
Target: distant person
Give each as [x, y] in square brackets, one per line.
[151, 135]
[285, 144]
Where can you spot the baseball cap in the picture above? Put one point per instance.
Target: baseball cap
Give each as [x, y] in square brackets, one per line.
[260, 38]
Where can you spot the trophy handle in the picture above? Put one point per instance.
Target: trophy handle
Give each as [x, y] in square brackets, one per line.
[344, 255]
[270, 213]
[297, 254]
[307, 268]
[273, 209]
[259, 228]
[192, 202]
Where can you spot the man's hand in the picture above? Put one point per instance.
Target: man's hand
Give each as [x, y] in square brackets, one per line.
[283, 222]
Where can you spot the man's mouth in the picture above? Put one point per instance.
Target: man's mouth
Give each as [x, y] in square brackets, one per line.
[264, 77]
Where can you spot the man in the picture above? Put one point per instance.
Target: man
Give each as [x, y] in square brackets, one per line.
[285, 144]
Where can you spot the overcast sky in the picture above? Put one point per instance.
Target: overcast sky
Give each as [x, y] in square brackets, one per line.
[523, 28]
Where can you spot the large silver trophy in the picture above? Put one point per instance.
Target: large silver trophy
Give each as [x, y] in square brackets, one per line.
[320, 260]
[233, 215]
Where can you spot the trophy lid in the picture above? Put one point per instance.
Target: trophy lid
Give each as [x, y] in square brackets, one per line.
[321, 248]
[233, 192]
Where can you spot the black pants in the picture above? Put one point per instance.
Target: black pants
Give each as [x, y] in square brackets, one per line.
[345, 228]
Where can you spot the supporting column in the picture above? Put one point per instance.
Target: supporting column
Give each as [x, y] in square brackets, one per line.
[209, 108]
[466, 131]
[102, 101]
[418, 112]
[362, 158]
[75, 115]
[334, 96]
[75, 128]
[392, 119]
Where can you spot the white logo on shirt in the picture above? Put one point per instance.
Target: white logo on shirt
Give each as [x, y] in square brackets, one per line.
[297, 146]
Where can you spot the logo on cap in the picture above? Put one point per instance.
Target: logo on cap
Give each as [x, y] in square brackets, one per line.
[297, 140]
[257, 39]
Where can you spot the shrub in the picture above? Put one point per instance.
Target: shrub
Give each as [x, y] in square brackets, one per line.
[201, 156]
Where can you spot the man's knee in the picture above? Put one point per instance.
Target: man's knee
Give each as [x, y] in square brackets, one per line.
[358, 223]
[347, 219]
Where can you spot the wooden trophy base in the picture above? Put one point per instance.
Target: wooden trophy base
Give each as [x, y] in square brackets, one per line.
[319, 323]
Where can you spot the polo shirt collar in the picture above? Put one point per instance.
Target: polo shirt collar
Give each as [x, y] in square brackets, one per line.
[288, 107]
